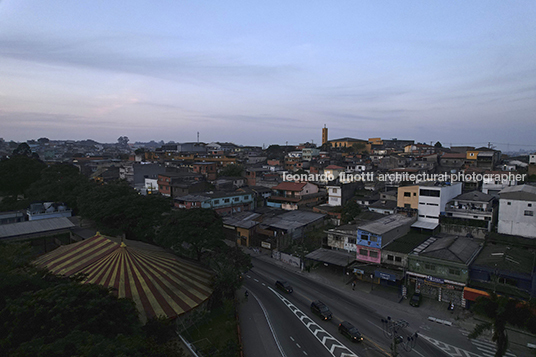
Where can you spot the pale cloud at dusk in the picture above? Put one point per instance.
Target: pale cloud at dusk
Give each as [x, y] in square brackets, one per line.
[263, 73]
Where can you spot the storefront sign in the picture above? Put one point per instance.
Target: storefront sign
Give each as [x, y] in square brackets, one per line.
[435, 280]
[266, 245]
[385, 276]
[359, 271]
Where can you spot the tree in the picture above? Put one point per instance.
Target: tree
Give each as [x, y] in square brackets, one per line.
[350, 210]
[123, 140]
[232, 170]
[23, 149]
[502, 310]
[43, 141]
[18, 173]
[192, 232]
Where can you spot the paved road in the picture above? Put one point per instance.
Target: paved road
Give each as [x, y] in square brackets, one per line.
[365, 312]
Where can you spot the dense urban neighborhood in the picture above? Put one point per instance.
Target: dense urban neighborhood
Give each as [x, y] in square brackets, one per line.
[174, 249]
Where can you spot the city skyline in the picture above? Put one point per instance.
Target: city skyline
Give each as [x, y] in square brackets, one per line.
[259, 73]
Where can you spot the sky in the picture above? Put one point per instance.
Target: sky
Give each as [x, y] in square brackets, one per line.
[269, 72]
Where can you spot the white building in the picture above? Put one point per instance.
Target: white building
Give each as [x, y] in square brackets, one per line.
[433, 198]
[516, 211]
[532, 159]
[492, 184]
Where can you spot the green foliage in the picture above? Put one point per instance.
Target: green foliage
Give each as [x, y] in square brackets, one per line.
[502, 310]
[228, 263]
[46, 315]
[350, 210]
[118, 208]
[232, 170]
[18, 173]
[191, 232]
[60, 183]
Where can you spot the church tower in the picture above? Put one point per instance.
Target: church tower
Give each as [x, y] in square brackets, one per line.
[324, 135]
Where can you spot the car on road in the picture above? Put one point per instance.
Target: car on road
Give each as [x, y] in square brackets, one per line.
[350, 331]
[284, 286]
[416, 300]
[320, 309]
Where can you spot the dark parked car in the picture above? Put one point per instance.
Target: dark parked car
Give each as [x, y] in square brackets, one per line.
[350, 331]
[416, 300]
[320, 309]
[283, 285]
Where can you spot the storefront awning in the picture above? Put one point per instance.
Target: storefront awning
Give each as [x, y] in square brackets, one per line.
[471, 294]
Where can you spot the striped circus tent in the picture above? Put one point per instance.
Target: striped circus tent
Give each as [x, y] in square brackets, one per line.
[159, 283]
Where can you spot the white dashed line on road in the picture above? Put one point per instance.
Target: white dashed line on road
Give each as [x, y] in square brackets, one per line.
[292, 338]
[256, 280]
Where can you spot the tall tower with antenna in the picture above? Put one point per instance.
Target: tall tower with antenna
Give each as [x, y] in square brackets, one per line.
[324, 134]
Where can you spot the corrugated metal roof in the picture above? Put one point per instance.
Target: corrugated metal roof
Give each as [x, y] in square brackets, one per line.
[32, 227]
[159, 283]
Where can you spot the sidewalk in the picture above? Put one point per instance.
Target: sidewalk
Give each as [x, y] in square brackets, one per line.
[460, 318]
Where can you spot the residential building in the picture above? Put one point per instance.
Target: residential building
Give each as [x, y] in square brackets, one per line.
[224, 203]
[13, 217]
[343, 238]
[505, 270]
[517, 206]
[288, 195]
[207, 169]
[408, 198]
[324, 134]
[473, 207]
[339, 194]
[241, 226]
[46, 210]
[439, 267]
[494, 181]
[309, 154]
[373, 236]
[433, 198]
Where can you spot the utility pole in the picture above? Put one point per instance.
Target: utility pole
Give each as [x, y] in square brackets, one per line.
[393, 329]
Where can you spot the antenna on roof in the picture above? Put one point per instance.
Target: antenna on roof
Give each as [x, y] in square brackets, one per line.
[197, 137]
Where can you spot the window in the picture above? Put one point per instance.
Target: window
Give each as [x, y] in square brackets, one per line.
[407, 205]
[529, 204]
[246, 197]
[454, 271]
[529, 213]
[407, 194]
[226, 200]
[398, 259]
[414, 194]
[429, 267]
[334, 190]
[432, 204]
[390, 257]
[373, 254]
[364, 237]
[236, 199]
[351, 240]
[373, 239]
[216, 202]
[430, 193]
[509, 203]
[363, 252]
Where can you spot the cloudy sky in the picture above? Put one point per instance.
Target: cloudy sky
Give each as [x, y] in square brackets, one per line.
[263, 72]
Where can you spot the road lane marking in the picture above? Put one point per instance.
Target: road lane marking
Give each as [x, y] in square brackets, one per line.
[298, 345]
[248, 276]
[270, 325]
[263, 284]
[256, 280]
[292, 338]
[335, 348]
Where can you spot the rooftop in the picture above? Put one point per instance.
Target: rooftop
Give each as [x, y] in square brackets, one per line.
[407, 243]
[477, 196]
[290, 186]
[450, 248]
[386, 224]
[520, 192]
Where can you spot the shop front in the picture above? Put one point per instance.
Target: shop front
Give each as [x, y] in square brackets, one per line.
[438, 288]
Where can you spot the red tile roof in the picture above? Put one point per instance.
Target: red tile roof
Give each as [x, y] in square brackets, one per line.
[334, 167]
[290, 186]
